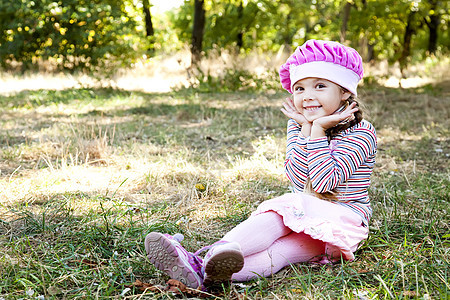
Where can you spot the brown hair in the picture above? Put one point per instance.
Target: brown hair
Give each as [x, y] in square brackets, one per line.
[331, 133]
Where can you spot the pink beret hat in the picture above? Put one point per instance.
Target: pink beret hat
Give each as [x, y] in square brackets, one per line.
[323, 59]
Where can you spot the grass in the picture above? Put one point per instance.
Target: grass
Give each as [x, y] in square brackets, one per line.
[87, 173]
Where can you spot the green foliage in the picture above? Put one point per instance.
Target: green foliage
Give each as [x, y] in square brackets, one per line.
[102, 35]
[375, 27]
[264, 25]
[381, 26]
[72, 34]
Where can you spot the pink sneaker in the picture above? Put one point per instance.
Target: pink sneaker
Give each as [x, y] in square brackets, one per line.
[167, 254]
[221, 262]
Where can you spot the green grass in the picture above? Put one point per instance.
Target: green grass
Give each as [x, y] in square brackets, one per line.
[87, 173]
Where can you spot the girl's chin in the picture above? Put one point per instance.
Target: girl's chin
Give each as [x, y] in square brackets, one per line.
[310, 118]
[313, 115]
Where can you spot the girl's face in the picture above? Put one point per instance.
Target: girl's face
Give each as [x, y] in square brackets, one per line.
[317, 97]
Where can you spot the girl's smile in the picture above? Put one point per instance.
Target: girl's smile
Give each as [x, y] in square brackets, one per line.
[311, 108]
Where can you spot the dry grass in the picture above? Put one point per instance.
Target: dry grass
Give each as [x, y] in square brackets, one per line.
[86, 173]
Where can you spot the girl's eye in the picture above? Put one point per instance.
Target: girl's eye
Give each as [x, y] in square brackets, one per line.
[298, 88]
[320, 85]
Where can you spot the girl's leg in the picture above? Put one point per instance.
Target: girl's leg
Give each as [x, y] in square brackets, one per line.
[258, 232]
[253, 235]
[290, 249]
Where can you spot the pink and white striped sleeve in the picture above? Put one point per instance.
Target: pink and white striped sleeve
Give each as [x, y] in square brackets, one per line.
[296, 165]
[328, 169]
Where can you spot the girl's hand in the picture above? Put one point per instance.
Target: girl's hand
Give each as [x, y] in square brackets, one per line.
[332, 120]
[291, 111]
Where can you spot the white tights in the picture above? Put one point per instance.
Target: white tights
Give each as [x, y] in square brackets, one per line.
[268, 245]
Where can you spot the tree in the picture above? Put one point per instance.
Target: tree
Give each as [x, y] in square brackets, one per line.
[345, 17]
[240, 35]
[197, 31]
[98, 34]
[149, 30]
[432, 22]
[92, 35]
[407, 37]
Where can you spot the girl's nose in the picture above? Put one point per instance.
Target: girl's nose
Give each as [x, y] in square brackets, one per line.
[308, 96]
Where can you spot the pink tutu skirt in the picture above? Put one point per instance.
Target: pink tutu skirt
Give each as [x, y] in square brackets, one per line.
[341, 229]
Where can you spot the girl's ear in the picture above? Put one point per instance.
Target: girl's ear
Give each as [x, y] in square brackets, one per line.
[345, 95]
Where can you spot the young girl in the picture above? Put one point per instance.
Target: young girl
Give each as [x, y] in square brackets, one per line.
[329, 159]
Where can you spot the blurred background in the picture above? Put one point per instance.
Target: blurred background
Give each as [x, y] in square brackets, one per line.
[158, 45]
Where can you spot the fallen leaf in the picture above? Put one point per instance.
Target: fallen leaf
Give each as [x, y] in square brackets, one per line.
[174, 286]
[142, 286]
[177, 288]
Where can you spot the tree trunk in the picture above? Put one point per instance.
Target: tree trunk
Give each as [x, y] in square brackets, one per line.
[197, 32]
[433, 25]
[345, 17]
[150, 32]
[370, 52]
[287, 34]
[240, 35]
[307, 29]
[409, 32]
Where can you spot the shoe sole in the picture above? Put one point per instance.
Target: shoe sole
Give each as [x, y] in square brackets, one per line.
[221, 266]
[164, 255]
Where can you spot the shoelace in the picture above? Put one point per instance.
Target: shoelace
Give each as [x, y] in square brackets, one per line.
[196, 253]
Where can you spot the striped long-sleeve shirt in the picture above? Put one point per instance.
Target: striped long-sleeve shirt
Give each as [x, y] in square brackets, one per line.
[343, 165]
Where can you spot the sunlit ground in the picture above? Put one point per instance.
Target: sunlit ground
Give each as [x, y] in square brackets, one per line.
[68, 149]
[198, 161]
[97, 166]
[157, 75]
